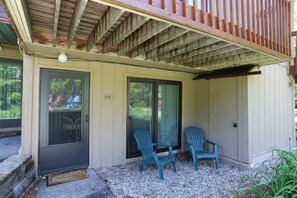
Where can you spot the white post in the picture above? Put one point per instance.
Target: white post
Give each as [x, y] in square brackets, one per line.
[27, 105]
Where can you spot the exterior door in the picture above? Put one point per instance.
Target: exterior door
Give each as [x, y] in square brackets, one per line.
[63, 143]
[224, 116]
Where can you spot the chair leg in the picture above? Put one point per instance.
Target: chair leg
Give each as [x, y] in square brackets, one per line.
[160, 172]
[217, 162]
[174, 166]
[195, 160]
[141, 166]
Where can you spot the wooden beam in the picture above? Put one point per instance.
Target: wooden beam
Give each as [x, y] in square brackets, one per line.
[18, 11]
[129, 25]
[110, 17]
[160, 39]
[76, 18]
[144, 33]
[210, 52]
[230, 61]
[221, 56]
[175, 43]
[56, 21]
[144, 9]
[200, 52]
[187, 48]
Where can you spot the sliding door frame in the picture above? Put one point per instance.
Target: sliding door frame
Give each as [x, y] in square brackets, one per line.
[155, 85]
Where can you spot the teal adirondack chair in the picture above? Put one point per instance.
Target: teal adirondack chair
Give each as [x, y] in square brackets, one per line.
[145, 146]
[195, 142]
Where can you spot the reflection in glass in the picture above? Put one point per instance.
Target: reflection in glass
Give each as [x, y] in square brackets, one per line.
[64, 110]
[168, 108]
[140, 111]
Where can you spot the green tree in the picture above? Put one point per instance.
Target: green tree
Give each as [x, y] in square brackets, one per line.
[10, 89]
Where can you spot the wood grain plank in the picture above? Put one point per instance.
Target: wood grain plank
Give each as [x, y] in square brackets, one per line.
[110, 17]
[56, 21]
[76, 18]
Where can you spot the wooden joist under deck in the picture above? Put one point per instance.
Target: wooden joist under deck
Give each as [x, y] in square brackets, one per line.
[162, 31]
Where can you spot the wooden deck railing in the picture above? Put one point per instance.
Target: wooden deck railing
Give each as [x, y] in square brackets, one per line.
[293, 68]
[264, 22]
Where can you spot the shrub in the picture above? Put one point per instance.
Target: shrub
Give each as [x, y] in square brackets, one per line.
[273, 179]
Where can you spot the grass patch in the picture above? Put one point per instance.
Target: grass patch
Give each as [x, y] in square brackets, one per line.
[273, 179]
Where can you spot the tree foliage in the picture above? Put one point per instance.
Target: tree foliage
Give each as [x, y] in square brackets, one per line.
[10, 90]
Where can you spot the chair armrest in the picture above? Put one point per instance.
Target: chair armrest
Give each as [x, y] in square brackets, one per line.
[215, 145]
[210, 142]
[163, 145]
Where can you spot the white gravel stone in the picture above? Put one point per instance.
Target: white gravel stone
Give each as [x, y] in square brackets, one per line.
[128, 181]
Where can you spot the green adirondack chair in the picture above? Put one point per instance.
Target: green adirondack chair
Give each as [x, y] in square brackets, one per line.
[195, 142]
[145, 146]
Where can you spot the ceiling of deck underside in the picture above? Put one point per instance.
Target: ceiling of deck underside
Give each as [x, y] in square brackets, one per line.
[7, 34]
[100, 29]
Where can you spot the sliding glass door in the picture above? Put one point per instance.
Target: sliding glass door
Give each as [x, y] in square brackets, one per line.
[155, 106]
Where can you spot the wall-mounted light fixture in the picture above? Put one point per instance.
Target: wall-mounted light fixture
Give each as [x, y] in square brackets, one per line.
[62, 57]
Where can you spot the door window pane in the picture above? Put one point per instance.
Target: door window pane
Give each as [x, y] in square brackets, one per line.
[140, 111]
[168, 112]
[64, 104]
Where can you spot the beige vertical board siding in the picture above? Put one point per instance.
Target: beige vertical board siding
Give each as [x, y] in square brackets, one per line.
[120, 104]
[242, 120]
[266, 101]
[270, 110]
[107, 146]
[95, 117]
[202, 104]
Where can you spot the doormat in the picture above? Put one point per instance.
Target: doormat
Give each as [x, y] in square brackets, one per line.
[66, 177]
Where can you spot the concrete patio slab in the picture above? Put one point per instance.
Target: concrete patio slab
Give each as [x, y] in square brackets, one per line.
[9, 146]
[91, 187]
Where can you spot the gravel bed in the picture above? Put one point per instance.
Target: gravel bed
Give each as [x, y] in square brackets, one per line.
[127, 181]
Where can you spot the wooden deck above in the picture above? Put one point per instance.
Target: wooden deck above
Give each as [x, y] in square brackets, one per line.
[293, 68]
[196, 34]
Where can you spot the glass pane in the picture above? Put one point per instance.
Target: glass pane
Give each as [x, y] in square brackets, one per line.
[64, 105]
[168, 112]
[10, 90]
[140, 111]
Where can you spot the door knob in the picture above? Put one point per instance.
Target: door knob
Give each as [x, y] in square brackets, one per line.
[235, 123]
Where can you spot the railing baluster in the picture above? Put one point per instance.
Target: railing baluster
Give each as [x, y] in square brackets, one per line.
[258, 23]
[238, 32]
[248, 20]
[262, 24]
[281, 26]
[203, 11]
[243, 19]
[210, 14]
[254, 22]
[270, 25]
[231, 30]
[226, 24]
[218, 25]
[266, 36]
[195, 11]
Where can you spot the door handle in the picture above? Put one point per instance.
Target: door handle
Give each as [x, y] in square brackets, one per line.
[87, 118]
[235, 123]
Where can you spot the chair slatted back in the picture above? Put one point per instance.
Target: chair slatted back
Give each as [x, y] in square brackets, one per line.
[143, 140]
[194, 136]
